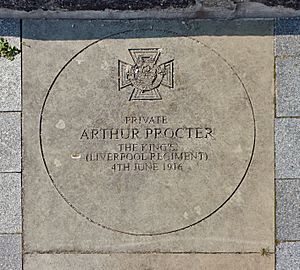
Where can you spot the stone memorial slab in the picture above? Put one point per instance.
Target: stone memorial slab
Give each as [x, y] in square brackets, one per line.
[145, 136]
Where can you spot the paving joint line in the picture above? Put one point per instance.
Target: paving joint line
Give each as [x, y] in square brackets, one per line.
[22, 165]
[287, 117]
[287, 179]
[10, 111]
[11, 172]
[287, 56]
[7, 233]
[274, 135]
[287, 241]
[134, 253]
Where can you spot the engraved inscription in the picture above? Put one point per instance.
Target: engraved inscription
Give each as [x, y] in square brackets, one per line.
[147, 156]
[145, 76]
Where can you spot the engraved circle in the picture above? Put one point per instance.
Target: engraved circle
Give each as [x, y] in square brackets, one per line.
[85, 95]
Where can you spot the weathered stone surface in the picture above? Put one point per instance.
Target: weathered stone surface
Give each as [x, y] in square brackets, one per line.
[10, 71]
[71, 5]
[231, 4]
[288, 86]
[10, 203]
[289, 4]
[210, 205]
[149, 261]
[288, 256]
[10, 252]
[93, 5]
[287, 209]
[287, 148]
[10, 142]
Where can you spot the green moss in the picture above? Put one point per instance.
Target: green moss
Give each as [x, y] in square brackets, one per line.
[7, 51]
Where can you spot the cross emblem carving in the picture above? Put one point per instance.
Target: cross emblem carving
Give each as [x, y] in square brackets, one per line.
[145, 76]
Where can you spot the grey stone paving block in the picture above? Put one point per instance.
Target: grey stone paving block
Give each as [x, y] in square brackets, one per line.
[288, 86]
[10, 203]
[288, 209]
[287, 137]
[10, 142]
[288, 256]
[287, 37]
[10, 252]
[10, 71]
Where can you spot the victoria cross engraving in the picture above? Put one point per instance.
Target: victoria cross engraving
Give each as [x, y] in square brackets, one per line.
[145, 76]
